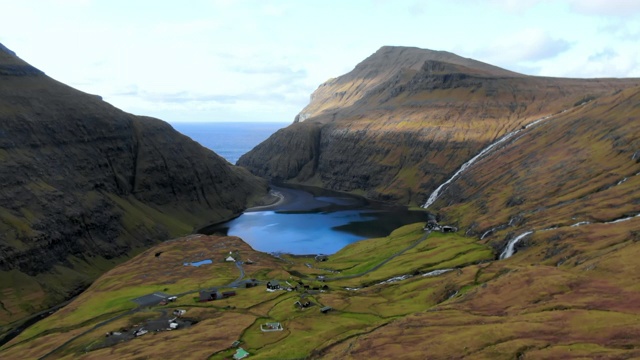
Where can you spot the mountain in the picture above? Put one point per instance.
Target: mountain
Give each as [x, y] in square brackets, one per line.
[85, 186]
[567, 189]
[538, 178]
[405, 119]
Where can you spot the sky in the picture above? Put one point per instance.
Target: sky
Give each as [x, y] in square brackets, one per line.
[260, 60]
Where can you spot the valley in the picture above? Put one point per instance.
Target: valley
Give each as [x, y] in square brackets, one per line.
[535, 178]
[107, 305]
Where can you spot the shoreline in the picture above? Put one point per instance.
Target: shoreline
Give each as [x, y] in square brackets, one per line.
[281, 199]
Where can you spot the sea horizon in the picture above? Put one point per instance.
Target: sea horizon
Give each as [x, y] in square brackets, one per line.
[228, 139]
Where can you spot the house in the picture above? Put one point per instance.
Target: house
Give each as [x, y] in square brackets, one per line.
[269, 327]
[273, 285]
[326, 309]
[303, 304]
[208, 295]
[447, 228]
[240, 354]
[432, 224]
[230, 259]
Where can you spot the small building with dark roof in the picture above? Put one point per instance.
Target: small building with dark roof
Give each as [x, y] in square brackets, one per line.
[208, 295]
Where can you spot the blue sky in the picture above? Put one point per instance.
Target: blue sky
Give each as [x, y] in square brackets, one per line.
[260, 60]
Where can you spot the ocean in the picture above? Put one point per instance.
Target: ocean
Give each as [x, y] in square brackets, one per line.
[229, 139]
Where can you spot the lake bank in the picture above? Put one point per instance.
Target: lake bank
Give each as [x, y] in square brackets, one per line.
[308, 220]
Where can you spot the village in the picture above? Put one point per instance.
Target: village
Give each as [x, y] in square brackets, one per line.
[216, 290]
[172, 318]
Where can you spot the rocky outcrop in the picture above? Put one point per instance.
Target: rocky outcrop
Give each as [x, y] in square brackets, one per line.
[405, 119]
[84, 185]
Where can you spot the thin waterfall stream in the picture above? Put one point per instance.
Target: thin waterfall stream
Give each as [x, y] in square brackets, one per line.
[509, 249]
[436, 193]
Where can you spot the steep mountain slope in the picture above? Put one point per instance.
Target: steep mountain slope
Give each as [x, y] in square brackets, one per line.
[579, 167]
[84, 186]
[571, 183]
[405, 119]
[563, 193]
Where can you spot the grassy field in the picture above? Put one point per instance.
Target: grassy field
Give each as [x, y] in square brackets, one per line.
[502, 309]
[221, 322]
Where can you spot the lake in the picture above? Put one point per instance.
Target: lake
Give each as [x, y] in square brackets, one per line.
[316, 221]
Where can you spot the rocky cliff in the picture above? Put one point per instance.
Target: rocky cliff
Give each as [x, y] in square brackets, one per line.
[84, 186]
[405, 119]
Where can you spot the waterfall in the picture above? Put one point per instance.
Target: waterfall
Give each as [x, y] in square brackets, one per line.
[395, 279]
[434, 196]
[580, 223]
[486, 233]
[436, 272]
[508, 251]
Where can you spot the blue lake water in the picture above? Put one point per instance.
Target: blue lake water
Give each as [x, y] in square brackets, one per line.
[312, 221]
[198, 263]
[229, 139]
[316, 221]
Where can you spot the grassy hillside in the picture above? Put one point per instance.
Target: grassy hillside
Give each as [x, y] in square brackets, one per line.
[571, 290]
[221, 322]
[86, 186]
[405, 119]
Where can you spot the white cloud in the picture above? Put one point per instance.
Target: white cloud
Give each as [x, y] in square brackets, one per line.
[261, 59]
[528, 45]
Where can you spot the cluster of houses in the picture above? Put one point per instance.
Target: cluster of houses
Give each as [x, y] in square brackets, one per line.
[156, 325]
[214, 294]
[432, 225]
[275, 286]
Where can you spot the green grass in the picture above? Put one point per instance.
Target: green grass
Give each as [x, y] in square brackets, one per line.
[361, 256]
[438, 251]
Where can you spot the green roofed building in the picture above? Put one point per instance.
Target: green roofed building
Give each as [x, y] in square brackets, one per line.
[240, 354]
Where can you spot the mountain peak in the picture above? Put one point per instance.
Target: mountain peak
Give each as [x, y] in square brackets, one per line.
[418, 55]
[389, 66]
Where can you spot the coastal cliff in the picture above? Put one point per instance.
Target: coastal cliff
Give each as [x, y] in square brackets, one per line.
[85, 186]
